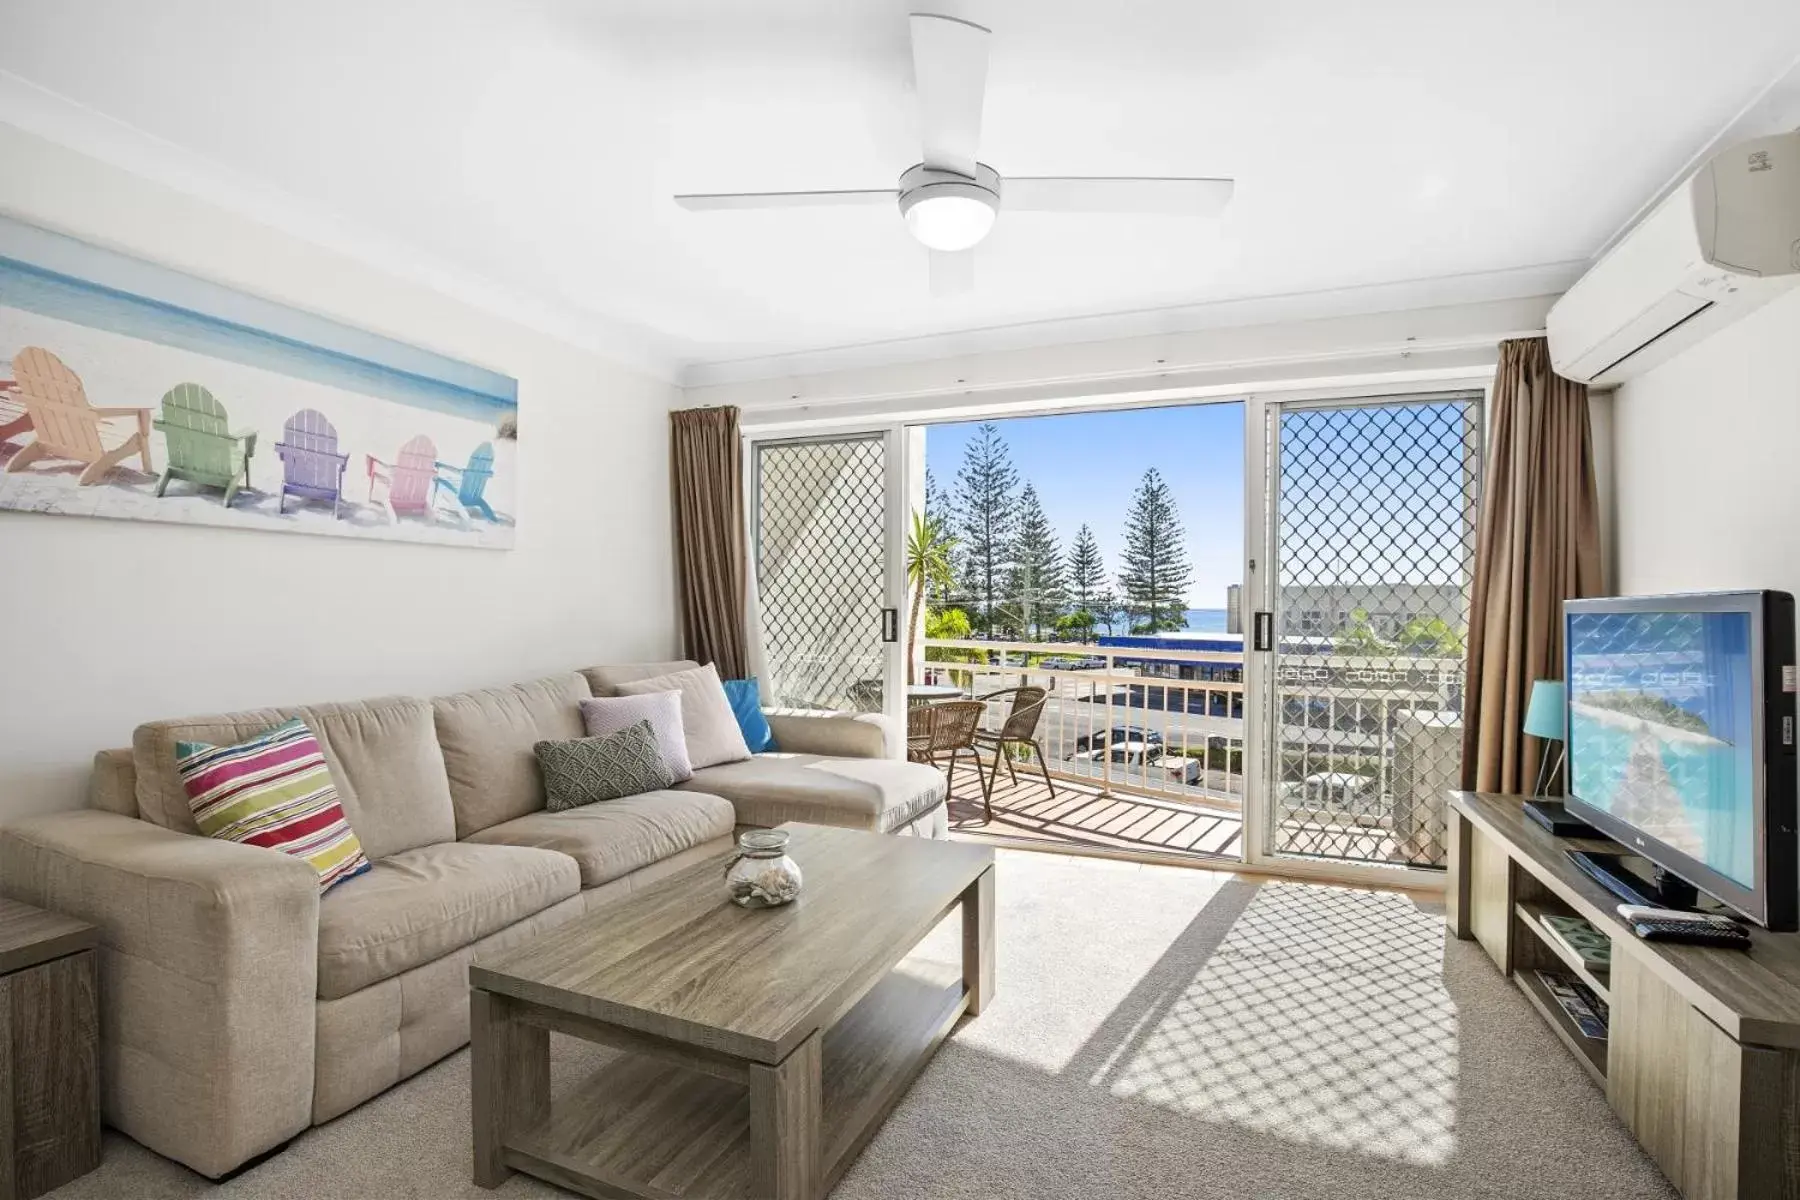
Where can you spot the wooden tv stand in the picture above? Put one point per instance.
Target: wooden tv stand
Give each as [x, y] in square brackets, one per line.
[1702, 1060]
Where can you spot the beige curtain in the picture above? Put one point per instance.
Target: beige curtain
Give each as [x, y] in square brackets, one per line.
[707, 468]
[1537, 544]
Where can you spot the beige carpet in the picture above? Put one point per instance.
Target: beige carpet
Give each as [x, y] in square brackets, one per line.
[1158, 1032]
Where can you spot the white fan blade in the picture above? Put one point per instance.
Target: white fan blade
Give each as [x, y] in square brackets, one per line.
[1200, 197]
[952, 273]
[950, 58]
[710, 202]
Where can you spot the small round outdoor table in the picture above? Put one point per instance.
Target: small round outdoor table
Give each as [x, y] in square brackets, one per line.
[931, 693]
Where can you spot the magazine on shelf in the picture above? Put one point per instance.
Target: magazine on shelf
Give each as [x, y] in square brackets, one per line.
[1592, 947]
[1586, 1010]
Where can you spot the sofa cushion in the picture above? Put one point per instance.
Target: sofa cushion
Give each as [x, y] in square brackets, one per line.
[834, 734]
[606, 680]
[489, 738]
[274, 791]
[605, 715]
[880, 794]
[707, 721]
[745, 698]
[592, 770]
[419, 905]
[383, 756]
[113, 785]
[615, 838]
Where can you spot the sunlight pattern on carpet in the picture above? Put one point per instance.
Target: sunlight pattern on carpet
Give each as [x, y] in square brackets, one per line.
[1321, 1018]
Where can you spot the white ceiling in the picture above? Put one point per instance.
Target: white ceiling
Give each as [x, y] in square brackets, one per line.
[534, 144]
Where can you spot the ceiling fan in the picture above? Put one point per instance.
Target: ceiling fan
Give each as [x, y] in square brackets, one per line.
[949, 201]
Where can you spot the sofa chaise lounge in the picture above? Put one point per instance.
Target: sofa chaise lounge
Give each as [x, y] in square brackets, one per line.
[238, 1006]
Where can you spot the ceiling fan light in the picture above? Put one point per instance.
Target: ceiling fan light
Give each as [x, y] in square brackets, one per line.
[949, 216]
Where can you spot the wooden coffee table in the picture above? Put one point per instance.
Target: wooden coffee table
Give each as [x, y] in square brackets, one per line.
[763, 1049]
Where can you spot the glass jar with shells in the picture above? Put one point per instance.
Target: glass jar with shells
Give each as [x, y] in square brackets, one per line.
[760, 873]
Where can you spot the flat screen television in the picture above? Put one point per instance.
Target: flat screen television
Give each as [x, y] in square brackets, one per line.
[1680, 739]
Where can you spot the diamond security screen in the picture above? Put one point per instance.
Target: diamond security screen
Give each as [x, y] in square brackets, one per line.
[1375, 542]
[821, 512]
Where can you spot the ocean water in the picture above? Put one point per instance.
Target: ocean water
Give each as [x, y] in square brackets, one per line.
[456, 390]
[1206, 620]
[1688, 791]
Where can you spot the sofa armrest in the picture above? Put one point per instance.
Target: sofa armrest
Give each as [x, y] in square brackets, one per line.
[835, 734]
[208, 970]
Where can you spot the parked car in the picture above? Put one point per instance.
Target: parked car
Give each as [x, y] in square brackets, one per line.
[1125, 753]
[1339, 789]
[1148, 757]
[1118, 733]
[1133, 751]
[1182, 768]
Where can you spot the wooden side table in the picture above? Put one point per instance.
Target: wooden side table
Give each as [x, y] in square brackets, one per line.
[49, 1050]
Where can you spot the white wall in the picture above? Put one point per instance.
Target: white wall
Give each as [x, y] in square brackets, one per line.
[106, 624]
[1706, 452]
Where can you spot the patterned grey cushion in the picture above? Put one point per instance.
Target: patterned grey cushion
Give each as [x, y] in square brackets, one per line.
[602, 768]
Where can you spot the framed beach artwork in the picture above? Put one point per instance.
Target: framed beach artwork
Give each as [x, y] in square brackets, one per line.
[133, 391]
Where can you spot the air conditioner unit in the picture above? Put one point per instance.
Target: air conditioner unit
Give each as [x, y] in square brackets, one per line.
[1725, 242]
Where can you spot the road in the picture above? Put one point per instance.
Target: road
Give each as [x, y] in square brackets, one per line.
[1067, 719]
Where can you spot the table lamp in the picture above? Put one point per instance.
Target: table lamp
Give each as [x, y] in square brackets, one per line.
[1544, 718]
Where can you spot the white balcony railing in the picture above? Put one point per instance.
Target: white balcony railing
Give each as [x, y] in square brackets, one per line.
[1127, 725]
[1367, 752]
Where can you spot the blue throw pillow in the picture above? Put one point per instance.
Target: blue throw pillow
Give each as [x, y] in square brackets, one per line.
[746, 706]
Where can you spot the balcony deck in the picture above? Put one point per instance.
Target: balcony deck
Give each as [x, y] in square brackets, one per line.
[1079, 817]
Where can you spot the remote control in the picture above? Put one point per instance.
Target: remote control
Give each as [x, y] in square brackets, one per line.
[1700, 933]
[1634, 913]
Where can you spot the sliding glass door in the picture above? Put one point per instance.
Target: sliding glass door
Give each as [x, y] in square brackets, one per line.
[825, 567]
[1366, 552]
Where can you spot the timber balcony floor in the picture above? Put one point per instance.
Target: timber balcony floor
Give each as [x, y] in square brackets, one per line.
[1079, 818]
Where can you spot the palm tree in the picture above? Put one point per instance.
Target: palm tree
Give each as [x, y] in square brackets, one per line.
[930, 563]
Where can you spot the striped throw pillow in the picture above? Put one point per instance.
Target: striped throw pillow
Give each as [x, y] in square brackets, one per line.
[273, 791]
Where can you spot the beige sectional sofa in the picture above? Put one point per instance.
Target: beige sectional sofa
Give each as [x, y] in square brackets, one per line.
[239, 1006]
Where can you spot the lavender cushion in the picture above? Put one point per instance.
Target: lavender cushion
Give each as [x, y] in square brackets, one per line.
[607, 715]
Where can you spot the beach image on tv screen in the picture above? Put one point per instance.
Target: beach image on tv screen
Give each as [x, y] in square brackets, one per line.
[1660, 729]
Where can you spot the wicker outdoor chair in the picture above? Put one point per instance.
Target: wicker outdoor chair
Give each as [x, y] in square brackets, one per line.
[934, 730]
[1019, 729]
[866, 695]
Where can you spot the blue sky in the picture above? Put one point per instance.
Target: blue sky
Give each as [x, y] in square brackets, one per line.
[1086, 466]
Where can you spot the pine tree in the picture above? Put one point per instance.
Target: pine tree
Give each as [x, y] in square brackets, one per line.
[1087, 570]
[1156, 572]
[987, 503]
[1034, 586]
[937, 500]
[1087, 580]
[940, 511]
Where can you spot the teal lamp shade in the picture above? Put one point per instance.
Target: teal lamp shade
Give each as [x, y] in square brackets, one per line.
[1544, 714]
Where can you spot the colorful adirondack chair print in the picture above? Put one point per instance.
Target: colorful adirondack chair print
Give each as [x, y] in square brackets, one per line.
[471, 482]
[202, 449]
[311, 466]
[14, 420]
[412, 481]
[66, 425]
